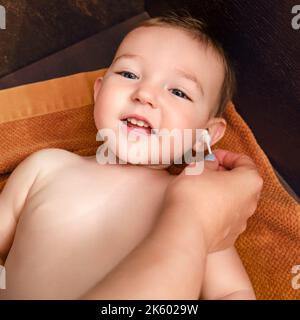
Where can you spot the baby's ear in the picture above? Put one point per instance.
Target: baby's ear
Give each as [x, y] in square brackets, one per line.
[216, 128]
[97, 86]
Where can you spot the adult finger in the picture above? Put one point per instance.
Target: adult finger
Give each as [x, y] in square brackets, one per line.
[231, 160]
[211, 162]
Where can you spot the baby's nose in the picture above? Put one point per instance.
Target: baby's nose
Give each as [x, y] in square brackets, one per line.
[146, 95]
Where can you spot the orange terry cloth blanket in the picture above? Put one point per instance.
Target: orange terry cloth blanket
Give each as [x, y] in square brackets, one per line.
[59, 113]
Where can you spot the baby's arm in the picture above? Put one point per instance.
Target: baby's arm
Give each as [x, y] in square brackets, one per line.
[13, 197]
[225, 277]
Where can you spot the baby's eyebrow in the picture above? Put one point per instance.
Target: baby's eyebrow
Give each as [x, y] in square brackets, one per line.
[127, 56]
[190, 77]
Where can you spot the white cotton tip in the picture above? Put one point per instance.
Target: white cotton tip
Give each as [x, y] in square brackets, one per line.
[209, 149]
[207, 140]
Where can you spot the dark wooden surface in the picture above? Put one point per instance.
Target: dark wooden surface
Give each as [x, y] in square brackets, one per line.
[38, 28]
[90, 54]
[266, 53]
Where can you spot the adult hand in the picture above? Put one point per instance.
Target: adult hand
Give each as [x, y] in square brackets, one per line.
[219, 200]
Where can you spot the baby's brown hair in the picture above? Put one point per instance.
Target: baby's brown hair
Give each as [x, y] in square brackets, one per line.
[199, 31]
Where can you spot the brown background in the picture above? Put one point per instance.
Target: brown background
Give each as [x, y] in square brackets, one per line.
[37, 28]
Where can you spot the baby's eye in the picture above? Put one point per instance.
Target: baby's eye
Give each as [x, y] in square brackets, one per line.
[127, 72]
[183, 95]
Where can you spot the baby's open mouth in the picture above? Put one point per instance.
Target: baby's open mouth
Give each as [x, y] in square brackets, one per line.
[137, 125]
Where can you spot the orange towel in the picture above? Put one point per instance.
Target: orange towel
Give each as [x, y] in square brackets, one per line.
[59, 113]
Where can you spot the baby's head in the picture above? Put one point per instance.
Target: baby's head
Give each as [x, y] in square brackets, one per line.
[169, 72]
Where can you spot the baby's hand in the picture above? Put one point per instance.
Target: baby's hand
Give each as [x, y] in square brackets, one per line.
[220, 200]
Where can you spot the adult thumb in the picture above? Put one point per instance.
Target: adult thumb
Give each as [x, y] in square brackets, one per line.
[211, 162]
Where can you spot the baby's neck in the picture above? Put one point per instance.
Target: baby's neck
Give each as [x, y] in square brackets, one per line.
[159, 170]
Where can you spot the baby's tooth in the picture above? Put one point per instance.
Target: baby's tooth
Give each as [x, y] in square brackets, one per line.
[140, 123]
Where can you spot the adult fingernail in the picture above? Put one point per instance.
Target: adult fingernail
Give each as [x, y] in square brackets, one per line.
[210, 157]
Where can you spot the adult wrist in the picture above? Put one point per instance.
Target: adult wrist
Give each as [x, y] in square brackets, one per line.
[181, 231]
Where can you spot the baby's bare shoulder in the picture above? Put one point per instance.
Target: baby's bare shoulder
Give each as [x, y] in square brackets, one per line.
[27, 174]
[47, 163]
[54, 155]
[50, 159]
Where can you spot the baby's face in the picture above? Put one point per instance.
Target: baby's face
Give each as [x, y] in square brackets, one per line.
[162, 75]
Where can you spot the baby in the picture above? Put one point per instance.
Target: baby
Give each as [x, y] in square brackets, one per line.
[66, 221]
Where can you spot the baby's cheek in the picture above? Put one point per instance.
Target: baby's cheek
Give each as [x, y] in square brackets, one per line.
[181, 119]
[97, 116]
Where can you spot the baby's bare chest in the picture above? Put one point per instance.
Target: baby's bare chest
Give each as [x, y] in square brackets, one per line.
[108, 201]
[79, 222]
